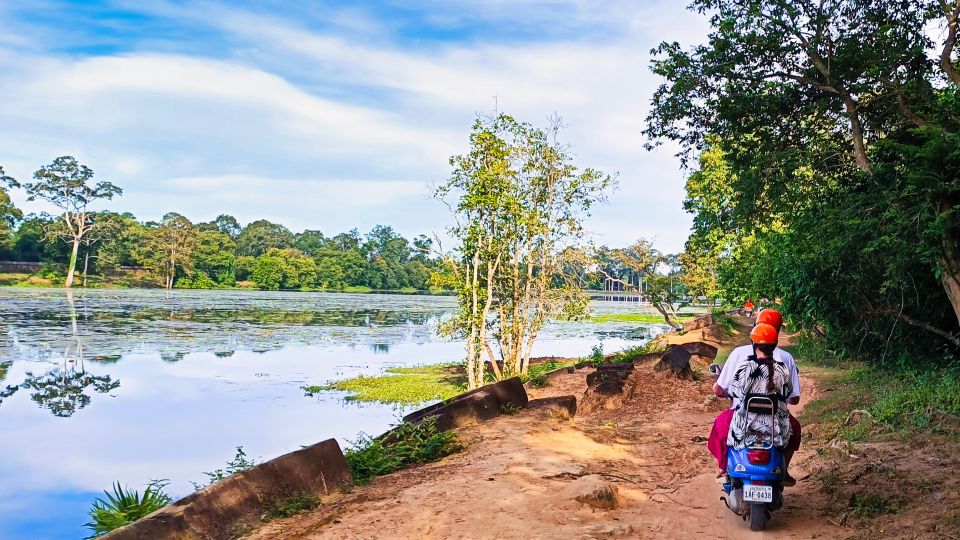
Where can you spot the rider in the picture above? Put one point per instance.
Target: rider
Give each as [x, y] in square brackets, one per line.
[721, 427]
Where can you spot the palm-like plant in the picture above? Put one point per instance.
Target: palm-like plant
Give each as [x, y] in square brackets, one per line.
[124, 506]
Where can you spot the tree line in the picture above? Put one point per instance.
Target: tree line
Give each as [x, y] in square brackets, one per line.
[823, 140]
[203, 255]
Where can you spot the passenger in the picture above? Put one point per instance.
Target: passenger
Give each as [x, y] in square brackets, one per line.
[738, 357]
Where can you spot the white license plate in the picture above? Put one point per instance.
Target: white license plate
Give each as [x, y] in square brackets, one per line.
[754, 493]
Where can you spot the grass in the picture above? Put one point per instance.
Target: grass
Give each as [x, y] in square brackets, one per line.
[291, 505]
[642, 318]
[895, 399]
[240, 462]
[125, 506]
[405, 445]
[537, 374]
[403, 385]
[357, 289]
[633, 353]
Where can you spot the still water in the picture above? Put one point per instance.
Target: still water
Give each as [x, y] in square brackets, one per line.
[133, 385]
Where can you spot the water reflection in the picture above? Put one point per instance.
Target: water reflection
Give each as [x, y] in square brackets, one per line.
[62, 390]
[379, 348]
[193, 363]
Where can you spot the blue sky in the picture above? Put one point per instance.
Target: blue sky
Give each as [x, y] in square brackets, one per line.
[332, 115]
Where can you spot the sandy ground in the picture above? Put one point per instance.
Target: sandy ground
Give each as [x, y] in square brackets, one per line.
[512, 480]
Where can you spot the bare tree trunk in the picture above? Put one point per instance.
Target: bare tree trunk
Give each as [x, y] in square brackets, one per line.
[946, 54]
[86, 265]
[497, 374]
[856, 133]
[73, 262]
[950, 273]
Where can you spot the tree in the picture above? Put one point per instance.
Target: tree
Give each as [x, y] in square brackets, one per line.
[10, 215]
[215, 257]
[309, 242]
[837, 129]
[66, 184]
[228, 225]
[284, 269]
[660, 289]
[261, 235]
[169, 247]
[519, 203]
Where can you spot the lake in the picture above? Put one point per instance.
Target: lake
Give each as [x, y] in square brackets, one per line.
[98, 386]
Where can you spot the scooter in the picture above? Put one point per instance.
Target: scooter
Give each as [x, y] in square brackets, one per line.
[754, 481]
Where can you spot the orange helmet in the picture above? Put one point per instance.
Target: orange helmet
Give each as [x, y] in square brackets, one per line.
[771, 317]
[763, 334]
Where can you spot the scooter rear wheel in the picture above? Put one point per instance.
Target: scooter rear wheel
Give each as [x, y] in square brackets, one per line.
[758, 516]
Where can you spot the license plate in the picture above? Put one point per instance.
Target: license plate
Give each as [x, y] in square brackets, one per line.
[754, 493]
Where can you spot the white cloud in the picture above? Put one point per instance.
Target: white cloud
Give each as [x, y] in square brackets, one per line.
[326, 105]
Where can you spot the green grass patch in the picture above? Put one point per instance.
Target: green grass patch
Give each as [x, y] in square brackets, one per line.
[357, 289]
[895, 399]
[405, 445]
[641, 318]
[291, 505]
[634, 353]
[403, 385]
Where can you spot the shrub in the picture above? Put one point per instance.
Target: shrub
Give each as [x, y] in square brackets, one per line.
[125, 506]
[405, 445]
[291, 505]
[240, 462]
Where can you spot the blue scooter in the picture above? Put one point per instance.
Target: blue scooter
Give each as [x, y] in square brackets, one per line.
[754, 482]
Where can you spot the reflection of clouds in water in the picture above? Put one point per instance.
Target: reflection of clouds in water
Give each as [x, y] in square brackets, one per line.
[204, 371]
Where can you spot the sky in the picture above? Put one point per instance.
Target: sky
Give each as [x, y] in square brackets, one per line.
[333, 115]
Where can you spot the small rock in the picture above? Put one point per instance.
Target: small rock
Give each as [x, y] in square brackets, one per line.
[595, 491]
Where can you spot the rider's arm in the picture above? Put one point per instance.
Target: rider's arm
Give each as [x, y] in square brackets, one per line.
[720, 391]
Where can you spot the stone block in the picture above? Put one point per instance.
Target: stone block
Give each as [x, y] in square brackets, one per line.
[235, 504]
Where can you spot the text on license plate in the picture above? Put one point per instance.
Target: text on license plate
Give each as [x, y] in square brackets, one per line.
[758, 493]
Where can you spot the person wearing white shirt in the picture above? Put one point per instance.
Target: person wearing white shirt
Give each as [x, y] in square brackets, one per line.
[742, 354]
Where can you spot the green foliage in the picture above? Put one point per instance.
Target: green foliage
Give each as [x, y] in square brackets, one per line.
[639, 318]
[260, 236]
[405, 445]
[284, 269]
[403, 385]
[633, 353]
[870, 505]
[291, 505]
[125, 506]
[509, 408]
[519, 203]
[827, 144]
[240, 462]
[596, 354]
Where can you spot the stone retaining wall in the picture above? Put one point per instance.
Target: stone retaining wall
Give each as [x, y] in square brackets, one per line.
[234, 505]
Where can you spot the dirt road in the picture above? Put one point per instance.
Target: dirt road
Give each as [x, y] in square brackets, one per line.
[514, 478]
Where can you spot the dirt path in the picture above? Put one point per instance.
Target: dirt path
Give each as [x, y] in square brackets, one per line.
[513, 479]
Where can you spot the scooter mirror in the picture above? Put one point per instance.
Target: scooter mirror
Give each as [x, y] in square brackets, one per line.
[714, 369]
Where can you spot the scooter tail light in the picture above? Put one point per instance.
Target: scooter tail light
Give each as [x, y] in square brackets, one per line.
[758, 457]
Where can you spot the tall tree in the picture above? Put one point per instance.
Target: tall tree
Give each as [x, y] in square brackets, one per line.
[69, 186]
[169, 247]
[519, 202]
[838, 123]
[261, 235]
[10, 215]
